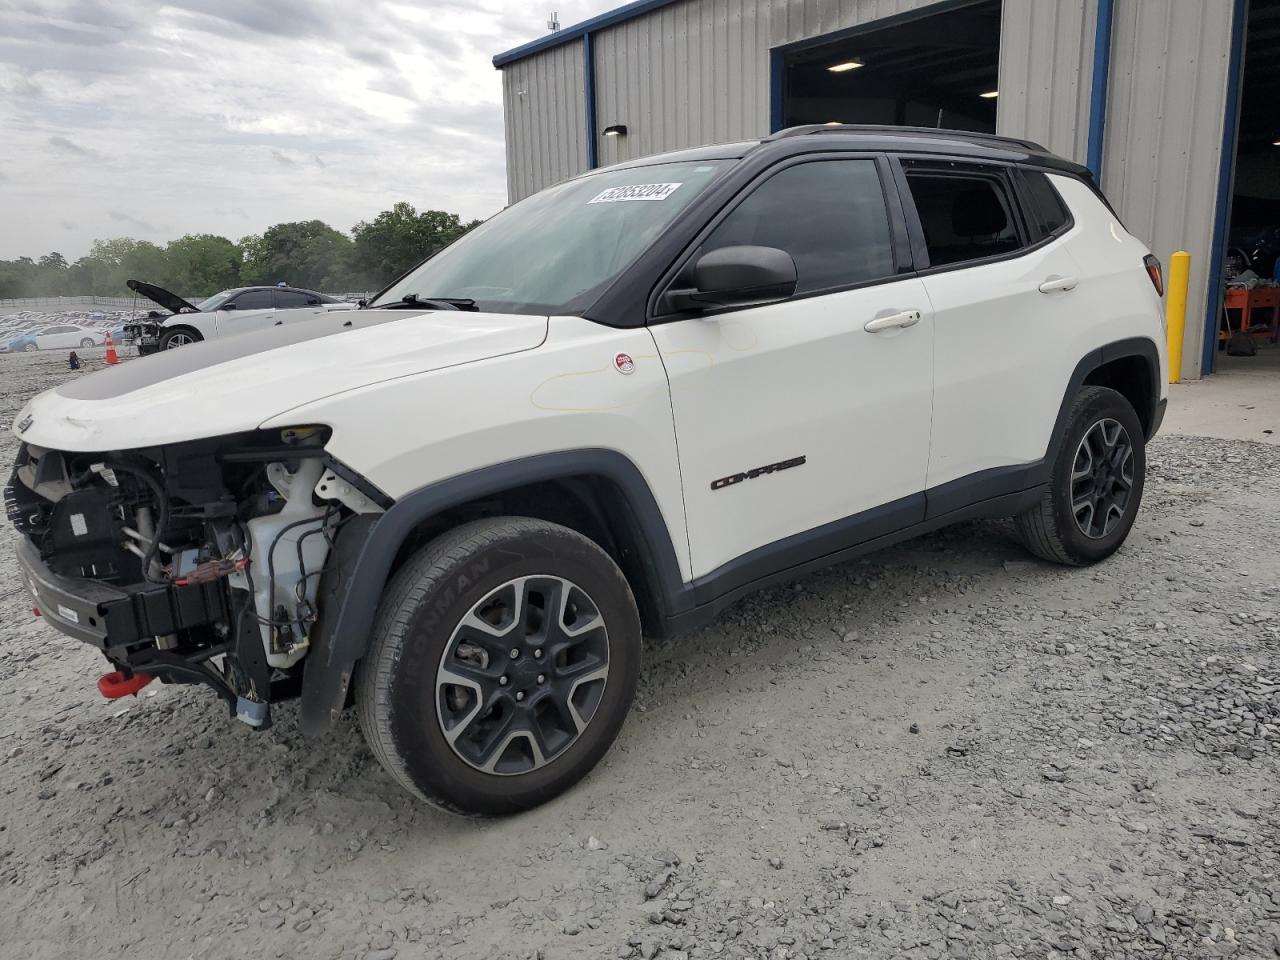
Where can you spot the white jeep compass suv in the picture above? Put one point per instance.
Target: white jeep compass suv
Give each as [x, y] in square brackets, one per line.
[609, 411]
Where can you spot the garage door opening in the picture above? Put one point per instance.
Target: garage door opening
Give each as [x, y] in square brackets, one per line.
[920, 70]
[1250, 296]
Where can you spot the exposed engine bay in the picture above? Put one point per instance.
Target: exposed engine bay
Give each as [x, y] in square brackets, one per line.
[148, 330]
[196, 562]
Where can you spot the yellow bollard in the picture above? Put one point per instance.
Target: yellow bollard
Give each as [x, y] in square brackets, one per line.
[1176, 310]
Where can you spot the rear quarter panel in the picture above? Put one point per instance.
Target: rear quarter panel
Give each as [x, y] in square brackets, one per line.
[1120, 301]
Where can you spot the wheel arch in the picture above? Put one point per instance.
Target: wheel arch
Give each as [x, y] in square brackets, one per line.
[600, 493]
[1130, 367]
[1133, 372]
[186, 327]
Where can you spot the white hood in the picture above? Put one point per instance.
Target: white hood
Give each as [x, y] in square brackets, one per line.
[237, 383]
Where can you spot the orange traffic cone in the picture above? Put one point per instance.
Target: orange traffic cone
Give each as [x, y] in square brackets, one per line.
[112, 356]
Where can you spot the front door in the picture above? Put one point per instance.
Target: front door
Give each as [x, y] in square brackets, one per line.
[793, 417]
[251, 310]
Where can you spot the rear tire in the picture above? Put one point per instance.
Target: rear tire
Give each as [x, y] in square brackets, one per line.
[1095, 490]
[86, 343]
[504, 659]
[30, 348]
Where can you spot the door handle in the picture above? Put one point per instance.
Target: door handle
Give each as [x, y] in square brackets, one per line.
[1054, 284]
[908, 318]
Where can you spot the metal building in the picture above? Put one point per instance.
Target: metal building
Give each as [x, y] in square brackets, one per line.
[1145, 92]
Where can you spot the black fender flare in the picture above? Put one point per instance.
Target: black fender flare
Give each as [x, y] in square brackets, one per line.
[367, 546]
[1143, 347]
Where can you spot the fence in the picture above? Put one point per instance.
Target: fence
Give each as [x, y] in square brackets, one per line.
[63, 303]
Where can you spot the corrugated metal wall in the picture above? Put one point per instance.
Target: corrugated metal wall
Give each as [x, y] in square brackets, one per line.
[1163, 142]
[1046, 59]
[688, 74]
[544, 101]
[698, 71]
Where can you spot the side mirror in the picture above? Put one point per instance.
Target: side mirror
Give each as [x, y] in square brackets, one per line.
[738, 276]
[227, 306]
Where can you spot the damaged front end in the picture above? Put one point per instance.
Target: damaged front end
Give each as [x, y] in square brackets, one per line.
[145, 333]
[194, 562]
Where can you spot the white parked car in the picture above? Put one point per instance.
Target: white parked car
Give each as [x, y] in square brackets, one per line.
[239, 310]
[612, 409]
[61, 336]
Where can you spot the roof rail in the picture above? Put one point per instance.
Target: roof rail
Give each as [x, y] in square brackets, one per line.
[969, 136]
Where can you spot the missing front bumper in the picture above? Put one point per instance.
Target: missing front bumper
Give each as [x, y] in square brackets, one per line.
[109, 617]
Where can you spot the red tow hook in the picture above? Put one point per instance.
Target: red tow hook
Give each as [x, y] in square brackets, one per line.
[115, 685]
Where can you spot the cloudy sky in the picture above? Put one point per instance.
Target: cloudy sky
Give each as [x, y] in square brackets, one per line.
[151, 120]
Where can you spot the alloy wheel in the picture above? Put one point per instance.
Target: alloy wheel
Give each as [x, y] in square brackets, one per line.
[1102, 478]
[179, 340]
[522, 675]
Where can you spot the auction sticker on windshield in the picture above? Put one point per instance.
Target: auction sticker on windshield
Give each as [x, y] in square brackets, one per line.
[637, 191]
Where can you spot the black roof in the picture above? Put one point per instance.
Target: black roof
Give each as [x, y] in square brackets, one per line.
[923, 140]
[275, 286]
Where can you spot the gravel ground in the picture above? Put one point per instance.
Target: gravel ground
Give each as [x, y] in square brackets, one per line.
[946, 750]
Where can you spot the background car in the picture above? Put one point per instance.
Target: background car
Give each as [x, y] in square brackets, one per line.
[238, 310]
[58, 336]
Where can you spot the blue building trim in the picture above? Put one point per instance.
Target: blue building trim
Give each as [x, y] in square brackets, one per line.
[1098, 88]
[589, 91]
[1226, 178]
[625, 12]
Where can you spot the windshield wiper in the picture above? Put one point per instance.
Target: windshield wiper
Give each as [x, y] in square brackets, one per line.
[411, 301]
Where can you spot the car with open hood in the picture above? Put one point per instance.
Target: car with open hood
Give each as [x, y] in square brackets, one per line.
[229, 312]
[608, 412]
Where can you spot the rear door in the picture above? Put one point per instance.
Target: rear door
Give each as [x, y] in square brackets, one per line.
[1002, 287]
[251, 310]
[61, 336]
[293, 306]
[794, 421]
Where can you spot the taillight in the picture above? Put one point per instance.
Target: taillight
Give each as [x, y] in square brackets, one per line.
[1155, 272]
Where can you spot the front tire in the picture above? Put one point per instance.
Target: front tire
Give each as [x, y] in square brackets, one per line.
[504, 659]
[178, 337]
[1096, 486]
[30, 348]
[86, 343]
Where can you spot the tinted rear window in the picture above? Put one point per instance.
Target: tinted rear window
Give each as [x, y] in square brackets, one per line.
[1047, 214]
[292, 298]
[964, 217]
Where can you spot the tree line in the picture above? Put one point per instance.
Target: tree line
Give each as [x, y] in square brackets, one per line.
[308, 254]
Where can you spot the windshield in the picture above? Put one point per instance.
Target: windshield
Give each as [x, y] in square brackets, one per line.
[554, 250]
[214, 302]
